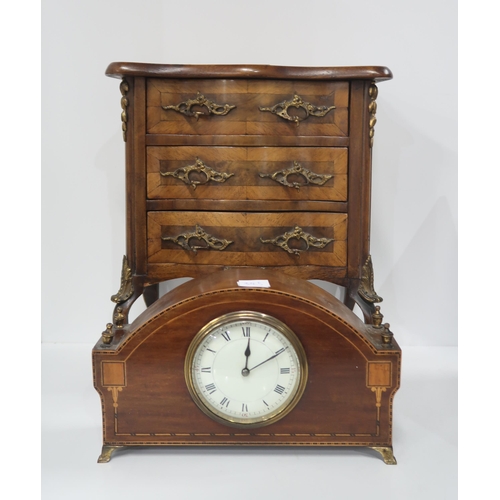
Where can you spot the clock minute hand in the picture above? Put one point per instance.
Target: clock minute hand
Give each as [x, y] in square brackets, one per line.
[269, 359]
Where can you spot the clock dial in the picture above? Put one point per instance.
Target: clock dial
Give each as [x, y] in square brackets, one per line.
[246, 369]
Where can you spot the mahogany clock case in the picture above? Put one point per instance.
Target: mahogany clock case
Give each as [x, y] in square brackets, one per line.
[347, 401]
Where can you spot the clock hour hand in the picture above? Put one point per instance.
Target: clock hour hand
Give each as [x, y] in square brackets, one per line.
[269, 359]
[245, 370]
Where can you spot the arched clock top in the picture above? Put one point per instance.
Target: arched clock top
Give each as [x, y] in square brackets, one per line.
[286, 298]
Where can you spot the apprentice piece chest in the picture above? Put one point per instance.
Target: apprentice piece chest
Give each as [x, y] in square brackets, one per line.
[260, 166]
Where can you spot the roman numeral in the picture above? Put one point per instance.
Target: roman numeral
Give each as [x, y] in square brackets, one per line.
[283, 371]
[210, 350]
[279, 389]
[280, 351]
[246, 331]
[225, 401]
[244, 407]
[211, 388]
[265, 403]
[226, 336]
[207, 369]
[265, 337]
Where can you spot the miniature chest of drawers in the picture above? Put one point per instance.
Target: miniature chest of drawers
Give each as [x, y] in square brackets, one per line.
[235, 173]
[248, 166]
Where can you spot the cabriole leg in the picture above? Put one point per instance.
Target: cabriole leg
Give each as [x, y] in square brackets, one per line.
[151, 294]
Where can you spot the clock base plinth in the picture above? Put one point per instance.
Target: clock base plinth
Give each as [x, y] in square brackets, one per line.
[386, 452]
[107, 452]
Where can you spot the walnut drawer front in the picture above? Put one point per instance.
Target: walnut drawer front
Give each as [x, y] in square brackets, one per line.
[248, 239]
[247, 107]
[237, 173]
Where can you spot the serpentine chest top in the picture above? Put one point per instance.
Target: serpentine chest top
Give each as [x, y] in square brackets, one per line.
[231, 166]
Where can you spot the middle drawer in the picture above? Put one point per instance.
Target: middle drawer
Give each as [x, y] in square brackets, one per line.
[247, 173]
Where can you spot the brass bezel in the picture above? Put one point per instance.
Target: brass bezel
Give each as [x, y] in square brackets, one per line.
[247, 316]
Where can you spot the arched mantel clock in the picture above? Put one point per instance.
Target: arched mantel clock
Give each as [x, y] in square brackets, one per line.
[252, 180]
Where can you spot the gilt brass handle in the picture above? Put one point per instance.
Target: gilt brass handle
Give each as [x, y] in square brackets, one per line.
[281, 109]
[183, 173]
[299, 234]
[281, 176]
[212, 243]
[200, 100]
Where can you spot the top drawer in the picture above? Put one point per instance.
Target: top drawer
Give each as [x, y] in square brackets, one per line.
[247, 107]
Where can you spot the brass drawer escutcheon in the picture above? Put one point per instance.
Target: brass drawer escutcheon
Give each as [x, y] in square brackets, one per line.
[299, 234]
[200, 100]
[200, 234]
[210, 174]
[281, 176]
[281, 109]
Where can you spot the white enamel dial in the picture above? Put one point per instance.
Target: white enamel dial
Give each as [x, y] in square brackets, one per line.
[246, 369]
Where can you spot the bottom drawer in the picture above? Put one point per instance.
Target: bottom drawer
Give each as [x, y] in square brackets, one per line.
[248, 239]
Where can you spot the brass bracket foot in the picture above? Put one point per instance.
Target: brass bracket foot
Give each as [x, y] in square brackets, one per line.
[106, 453]
[387, 454]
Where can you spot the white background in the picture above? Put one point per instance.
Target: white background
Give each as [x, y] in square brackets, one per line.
[413, 243]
